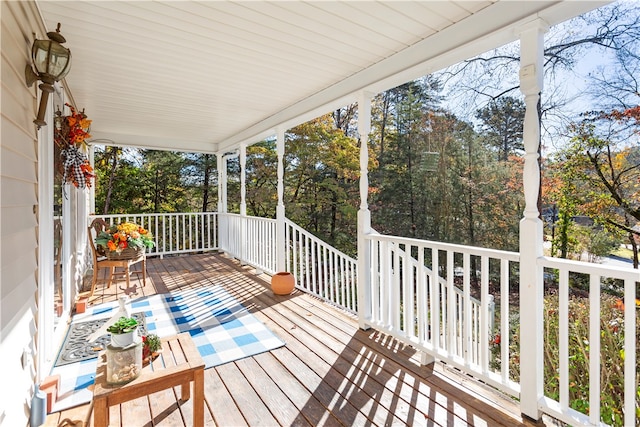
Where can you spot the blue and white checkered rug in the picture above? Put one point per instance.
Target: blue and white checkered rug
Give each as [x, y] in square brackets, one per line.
[221, 328]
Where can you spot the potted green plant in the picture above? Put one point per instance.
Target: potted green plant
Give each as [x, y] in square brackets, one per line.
[123, 331]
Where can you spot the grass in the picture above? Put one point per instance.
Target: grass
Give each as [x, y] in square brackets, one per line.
[623, 252]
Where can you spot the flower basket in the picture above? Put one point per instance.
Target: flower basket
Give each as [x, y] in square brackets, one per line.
[124, 241]
[126, 253]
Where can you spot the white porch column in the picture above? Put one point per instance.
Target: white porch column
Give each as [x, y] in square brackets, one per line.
[364, 215]
[243, 202]
[46, 350]
[92, 190]
[280, 211]
[243, 180]
[531, 284]
[81, 235]
[223, 230]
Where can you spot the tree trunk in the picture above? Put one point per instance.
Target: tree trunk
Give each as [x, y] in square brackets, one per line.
[470, 199]
[412, 199]
[205, 183]
[383, 124]
[564, 234]
[112, 175]
[634, 248]
[156, 195]
[334, 211]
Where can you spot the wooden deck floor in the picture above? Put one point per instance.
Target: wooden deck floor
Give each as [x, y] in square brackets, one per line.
[329, 373]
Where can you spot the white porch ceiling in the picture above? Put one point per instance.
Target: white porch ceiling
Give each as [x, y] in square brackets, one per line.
[208, 75]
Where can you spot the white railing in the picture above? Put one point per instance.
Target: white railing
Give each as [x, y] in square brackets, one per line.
[175, 233]
[252, 240]
[595, 276]
[320, 269]
[476, 304]
[405, 304]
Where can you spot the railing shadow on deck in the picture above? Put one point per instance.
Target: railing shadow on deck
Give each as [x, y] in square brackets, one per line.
[375, 380]
[360, 377]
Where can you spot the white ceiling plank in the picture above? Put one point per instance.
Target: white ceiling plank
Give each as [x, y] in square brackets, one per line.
[286, 31]
[366, 15]
[310, 33]
[208, 75]
[347, 29]
[256, 41]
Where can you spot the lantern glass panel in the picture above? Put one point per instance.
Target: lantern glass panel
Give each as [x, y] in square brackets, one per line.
[50, 57]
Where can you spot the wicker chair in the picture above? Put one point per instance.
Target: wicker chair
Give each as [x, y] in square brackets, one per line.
[101, 261]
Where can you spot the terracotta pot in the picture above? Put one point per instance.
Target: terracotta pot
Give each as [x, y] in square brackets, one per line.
[283, 283]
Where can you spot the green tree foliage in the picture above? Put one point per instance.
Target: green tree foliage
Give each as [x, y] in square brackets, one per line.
[602, 163]
[438, 178]
[117, 181]
[141, 181]
[500, 204]
[321, 181]
[401, 140]
[398, 162]
[596, 242]
[201, 173]
[502, 125]
[262, 179]
[233, 184]
[558, 189]
[165, 183]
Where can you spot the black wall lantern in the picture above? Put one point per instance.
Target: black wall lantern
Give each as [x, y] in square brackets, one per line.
[52, 62]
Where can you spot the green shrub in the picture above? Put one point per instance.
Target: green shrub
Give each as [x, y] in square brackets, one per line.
[611, 355]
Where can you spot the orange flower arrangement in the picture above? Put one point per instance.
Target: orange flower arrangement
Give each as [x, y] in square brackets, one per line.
[124, 235]
[70, 134]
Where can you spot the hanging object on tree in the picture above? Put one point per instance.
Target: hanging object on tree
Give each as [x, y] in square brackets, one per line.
[429, 161]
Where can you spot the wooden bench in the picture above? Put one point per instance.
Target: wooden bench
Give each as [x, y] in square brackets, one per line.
[178, 364]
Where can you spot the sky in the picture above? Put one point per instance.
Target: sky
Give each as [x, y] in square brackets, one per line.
[569, 87]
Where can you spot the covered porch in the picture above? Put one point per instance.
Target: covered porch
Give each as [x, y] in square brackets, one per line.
[329, 373]
[401, 305]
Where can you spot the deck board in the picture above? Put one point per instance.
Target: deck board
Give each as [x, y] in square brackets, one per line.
[164, 404]
[269, 392]
[220, 402]
[314, 412]
[329, 373]
[254, 410]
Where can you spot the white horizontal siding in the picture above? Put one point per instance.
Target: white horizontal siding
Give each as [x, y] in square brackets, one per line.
[19, 228]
